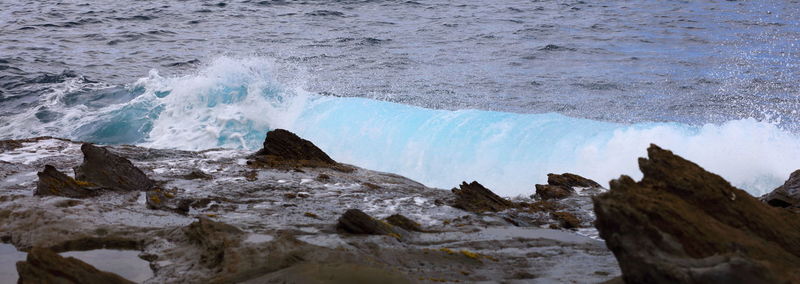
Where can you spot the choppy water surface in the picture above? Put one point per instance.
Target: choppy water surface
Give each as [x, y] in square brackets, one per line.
[684, 61]
[581, 86]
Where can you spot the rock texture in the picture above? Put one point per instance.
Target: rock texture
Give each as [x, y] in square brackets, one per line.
[474, 197]
[563, 185]
[403, 222]
[216, 241]
[45, 266]
[54, 182]
[286, 145]
[787, 195]
[357, 222]
[682, 224]
[111, 171]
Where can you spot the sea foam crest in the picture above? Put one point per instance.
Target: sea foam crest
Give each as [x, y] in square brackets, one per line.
[233, 102]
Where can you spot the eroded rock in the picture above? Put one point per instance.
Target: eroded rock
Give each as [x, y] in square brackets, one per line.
[109, 170]
[786, 195]
[682, 224]
[357, 222]
[54, 182]
[216, 240]
[563, 186]
[161, 199]
[403, 222]
[45, 266]
[474, 197]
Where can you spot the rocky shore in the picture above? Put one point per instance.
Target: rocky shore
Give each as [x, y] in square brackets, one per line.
[288, 213]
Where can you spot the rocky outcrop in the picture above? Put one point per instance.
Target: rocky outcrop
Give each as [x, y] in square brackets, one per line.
[682, 224]
[54, 182]
[161, 199]
[562, 186]
[403, 222]
[786, 195]
[286, 145]
[474, 197]
[109, 170]
[357, 222]
[45, 266]
[216, 240]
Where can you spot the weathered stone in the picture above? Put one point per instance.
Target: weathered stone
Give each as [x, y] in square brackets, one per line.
[197, 174]
[54, 182]
[570, 180]
[45, 266]
[403, 222]
[216, 240]
[108, 170]
[161, 199]
[355, 221]
[566, 220]
[545, 191]
[682, 224]
[474, 197]
[786, 195]
[288, 146]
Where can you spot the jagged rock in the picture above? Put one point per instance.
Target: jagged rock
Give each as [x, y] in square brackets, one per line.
[786, 195]
[108, 170]
[217, 242]
[160, 199]
[45, 266]
[355, 221]
[570, 180]
[562, 186]
[474, 197]
[288, 146]
[54, 182]
[403, 222]
[566, 220]
[544, 191]
[197, 174]
[682, 224]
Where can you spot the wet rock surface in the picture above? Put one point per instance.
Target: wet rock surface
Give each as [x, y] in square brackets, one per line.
[786, 195]
[45, 266]
[682, 224]
[355, 221]
[253, 223]
[563, 185]
[474, 197]
[54, 182]
[103, 168]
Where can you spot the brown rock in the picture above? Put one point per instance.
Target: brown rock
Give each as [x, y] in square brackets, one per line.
[403, 222]
[45, 266]
[162, 199]
[682, 224]
[570, 180]
[108, 170]
[217, 242]
[288, 146]
[357, 222]
[54, 182]
[545, 191]
[786, 195]
[474, 197]
[566, 220]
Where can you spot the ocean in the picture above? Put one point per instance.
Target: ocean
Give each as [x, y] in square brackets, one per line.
[439, 91]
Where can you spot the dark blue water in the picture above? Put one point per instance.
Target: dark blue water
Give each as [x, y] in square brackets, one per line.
[561, 85]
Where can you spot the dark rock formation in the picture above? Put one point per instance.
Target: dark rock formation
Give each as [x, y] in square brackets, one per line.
[54, 182]
[787, 195]
[566, 220]
[682, 224]
[288, 146]
[357, 222]
[474, 197]
[570, 180]
[215, 240]
[562, 186]
[545, 192]
[108, 170]
[45, 266]
[197, 174]
[403, 222]
[161, 199]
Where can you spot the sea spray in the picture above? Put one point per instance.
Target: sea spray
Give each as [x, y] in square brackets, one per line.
[233, 102]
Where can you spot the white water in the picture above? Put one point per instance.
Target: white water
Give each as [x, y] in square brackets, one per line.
[233, 102]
